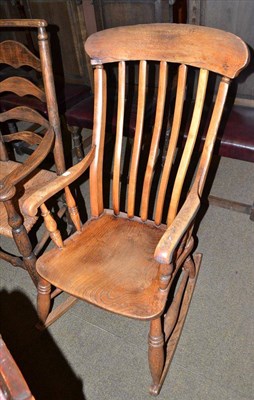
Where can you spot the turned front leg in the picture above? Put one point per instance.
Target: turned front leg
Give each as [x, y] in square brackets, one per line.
[43, 300]
[21, 239]
[156, 354]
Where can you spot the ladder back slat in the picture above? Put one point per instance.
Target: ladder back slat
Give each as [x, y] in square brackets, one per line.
[161, 96]
[96, 169]
[24, 113]
[180, 96]
[16, 54]
[119, 137]
[27, 136]
[137, 138]
[22, 87]
[190, 142]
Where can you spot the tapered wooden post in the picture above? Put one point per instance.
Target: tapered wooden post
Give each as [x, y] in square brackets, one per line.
[52, 107]
[21, 239]
[156, 354]
[52, 227]
[73, 209]
[43, 301]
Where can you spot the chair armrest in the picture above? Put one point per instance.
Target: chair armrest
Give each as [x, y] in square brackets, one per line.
[7, 185]
[172, 236]
[31, 204]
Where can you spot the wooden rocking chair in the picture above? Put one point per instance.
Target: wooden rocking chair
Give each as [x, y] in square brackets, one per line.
[125, 259]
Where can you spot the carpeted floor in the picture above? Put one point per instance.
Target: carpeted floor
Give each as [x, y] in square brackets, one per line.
[89, 354]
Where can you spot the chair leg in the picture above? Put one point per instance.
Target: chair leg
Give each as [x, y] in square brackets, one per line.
[58, 312]
[21, 239]
[43, 301]
[44, 297]
[174, 319]
[156, 354]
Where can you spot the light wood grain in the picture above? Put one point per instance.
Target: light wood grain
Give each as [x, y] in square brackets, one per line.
[180, 96]
[119, 137]
[155, 140]
[178, 43]
[189, 146]
[96, 169]
[121, 277]
[137, 138]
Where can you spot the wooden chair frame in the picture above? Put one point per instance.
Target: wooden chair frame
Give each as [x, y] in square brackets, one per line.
[77, 264]
[16, 55]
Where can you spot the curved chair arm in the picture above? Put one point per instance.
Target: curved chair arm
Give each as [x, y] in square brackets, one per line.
[7, 185]
[171, 238]
[33, 202]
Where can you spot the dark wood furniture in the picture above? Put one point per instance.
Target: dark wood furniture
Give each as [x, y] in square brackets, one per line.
[12, 383]
[132, 259]
[19, 180]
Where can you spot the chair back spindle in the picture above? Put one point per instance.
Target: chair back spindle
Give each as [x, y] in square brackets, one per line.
[119, 137]
[137, 139]
[184, 53]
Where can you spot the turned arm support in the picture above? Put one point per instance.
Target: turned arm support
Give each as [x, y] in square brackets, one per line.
[172, 236]
[7, 185]
[33, 202]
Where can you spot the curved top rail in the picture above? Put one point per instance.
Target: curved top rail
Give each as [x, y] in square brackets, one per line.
[198, 46]
[23, 23]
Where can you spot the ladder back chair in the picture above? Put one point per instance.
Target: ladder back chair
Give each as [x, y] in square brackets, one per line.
[19, 179]
[128, 259]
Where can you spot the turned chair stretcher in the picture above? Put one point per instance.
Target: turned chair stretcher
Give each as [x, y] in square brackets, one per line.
[129, 258]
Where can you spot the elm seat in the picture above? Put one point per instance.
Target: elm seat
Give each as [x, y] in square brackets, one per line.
[130, 295]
